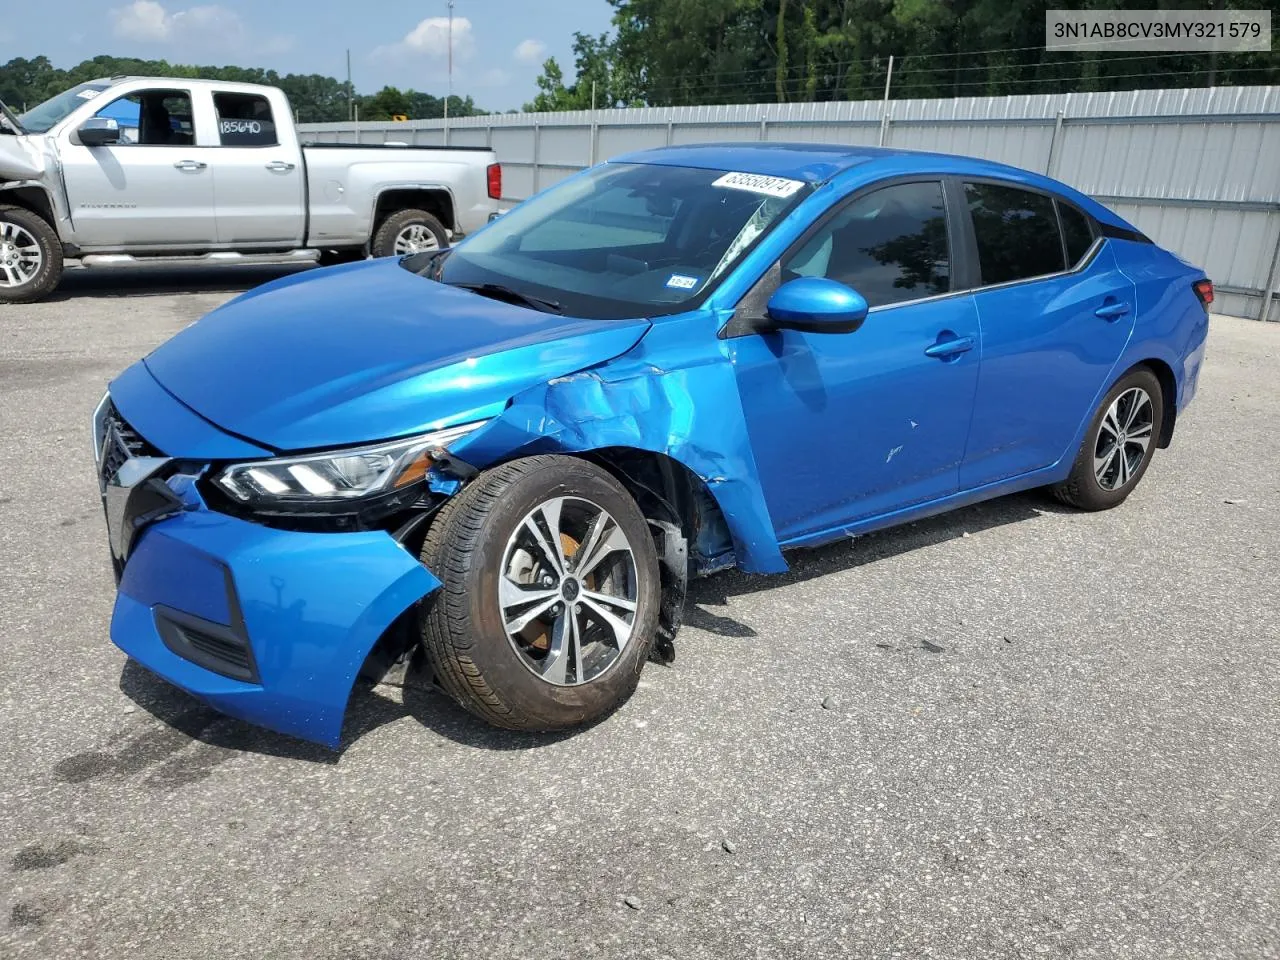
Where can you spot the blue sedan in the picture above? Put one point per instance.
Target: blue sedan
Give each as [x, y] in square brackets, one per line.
[512, 455]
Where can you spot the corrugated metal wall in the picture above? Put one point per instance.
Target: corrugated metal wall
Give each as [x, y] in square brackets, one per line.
[1197, 170]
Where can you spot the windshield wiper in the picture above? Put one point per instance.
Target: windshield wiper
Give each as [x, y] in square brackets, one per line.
[497, 291]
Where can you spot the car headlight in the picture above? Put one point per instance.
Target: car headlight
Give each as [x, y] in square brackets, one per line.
[338, 476]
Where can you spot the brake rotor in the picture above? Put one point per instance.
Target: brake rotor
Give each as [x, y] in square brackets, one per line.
[538, 633]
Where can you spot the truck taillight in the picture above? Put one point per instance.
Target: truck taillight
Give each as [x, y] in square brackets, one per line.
[495, 180]
[1204, 290]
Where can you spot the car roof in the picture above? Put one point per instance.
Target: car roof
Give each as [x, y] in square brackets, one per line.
[818, 163]
[192, 82]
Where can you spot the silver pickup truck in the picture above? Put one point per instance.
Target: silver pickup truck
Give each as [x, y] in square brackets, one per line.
[131, 170]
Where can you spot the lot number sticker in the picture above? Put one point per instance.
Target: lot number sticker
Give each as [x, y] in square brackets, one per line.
[758, 183]
[679, 281]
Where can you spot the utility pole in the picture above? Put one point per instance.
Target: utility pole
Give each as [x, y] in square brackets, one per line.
[450, 89]
[351, 99]
[884, 109]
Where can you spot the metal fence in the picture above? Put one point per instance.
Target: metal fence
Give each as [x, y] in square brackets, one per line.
[1197, 170]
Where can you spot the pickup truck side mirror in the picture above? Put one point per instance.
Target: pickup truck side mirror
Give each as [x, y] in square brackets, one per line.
[99, 132]
[817, 305]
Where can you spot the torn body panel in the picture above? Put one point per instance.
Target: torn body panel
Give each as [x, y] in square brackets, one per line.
[671, 395]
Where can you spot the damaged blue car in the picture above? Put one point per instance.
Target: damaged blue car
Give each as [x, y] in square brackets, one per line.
[513, 454]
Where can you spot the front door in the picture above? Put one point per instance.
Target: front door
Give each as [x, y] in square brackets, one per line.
[850, 426]
[258, 181]
[153, 189]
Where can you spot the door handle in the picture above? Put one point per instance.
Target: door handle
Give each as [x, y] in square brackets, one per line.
[946, 349]
[190, 164]
[1111, 311]
[280, 166]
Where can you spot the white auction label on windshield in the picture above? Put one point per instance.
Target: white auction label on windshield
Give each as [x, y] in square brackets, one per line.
[758, 183]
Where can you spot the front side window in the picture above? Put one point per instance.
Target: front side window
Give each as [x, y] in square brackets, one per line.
[890, 245]
[154, 118]
[621, 240]
[1017, 232]
[245, 120]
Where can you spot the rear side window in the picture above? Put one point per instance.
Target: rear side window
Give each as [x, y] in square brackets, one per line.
[244, 120]
[1017, 232]
[890, 245]
[1077, 232]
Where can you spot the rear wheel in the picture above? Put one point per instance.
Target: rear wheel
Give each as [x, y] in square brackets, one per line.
[408, 231]
[550, 594]
[1119, 444]
[30, 256]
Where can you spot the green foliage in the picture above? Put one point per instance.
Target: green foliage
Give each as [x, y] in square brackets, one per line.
[314, 98]
[677, 52]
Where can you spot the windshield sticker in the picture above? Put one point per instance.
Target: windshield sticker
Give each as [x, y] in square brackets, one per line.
[758, 183]
[678, 281]
[88, 94]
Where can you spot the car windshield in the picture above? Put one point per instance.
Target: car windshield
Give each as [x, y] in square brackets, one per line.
[40, 118]
[620, 240]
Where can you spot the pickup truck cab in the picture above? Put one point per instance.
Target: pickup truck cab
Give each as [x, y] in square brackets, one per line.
[130, 169]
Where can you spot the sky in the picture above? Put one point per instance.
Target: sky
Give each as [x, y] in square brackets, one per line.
[498, 45]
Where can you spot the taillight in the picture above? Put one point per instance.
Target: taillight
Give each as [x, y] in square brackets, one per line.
[495, 180]
[1204, 290]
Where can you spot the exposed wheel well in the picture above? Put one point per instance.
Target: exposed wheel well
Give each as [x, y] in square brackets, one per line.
[33, 199]
[1169, 391]
[438, 203]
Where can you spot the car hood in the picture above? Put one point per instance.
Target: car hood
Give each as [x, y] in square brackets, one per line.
[370, 352]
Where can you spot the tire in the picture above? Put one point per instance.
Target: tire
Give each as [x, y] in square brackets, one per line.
[477, 538]
[1084, 487]
[384, 238]
[21, 225]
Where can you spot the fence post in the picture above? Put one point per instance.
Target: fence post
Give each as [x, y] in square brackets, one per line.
[537, 144]
[884, 127]
[670, 125]
[764, 128]
[1273, 278]
[1052, 160]
[595, 137]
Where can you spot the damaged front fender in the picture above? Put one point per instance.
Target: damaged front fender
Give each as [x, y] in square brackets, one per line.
[667, 396]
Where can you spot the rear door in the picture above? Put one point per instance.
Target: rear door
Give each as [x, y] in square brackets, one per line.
[1055, 312]
[153, 189]
[258, 178]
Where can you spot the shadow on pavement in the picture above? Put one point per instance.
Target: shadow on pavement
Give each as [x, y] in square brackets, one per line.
[188, 719]
[154, 281]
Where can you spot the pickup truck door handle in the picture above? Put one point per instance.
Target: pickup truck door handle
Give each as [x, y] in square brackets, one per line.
[190, 164]
[1111, 311]
[947, 349]
[281, 166]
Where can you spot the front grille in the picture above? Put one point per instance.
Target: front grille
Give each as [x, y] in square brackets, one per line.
[122, 443]
[210, 645]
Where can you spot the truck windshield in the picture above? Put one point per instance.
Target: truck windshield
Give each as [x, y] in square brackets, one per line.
[40, 118]
[621, 240]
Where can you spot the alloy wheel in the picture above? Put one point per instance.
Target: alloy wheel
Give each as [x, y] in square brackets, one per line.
[568, 591]
[1124, 435]
[20, 255]
[415, 238]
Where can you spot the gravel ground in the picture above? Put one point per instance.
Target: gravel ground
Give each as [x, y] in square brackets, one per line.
[1014, 731]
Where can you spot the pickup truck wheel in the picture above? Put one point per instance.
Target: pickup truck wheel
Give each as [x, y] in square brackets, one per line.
[550, 594]
[408, 231]
[30, 256]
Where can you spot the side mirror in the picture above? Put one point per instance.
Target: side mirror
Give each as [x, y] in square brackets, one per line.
[99, 132]
[817, 305]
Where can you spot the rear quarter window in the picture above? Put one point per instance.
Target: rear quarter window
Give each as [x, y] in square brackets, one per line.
[1077, 232]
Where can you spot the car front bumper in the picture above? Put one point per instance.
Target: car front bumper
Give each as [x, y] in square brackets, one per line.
[267, 625]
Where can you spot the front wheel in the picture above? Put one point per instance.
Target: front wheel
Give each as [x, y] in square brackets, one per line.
[550, 594]
[30, 256]
[1119, 444]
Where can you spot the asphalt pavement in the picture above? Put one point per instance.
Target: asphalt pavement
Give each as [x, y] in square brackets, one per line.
[1015, 731]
